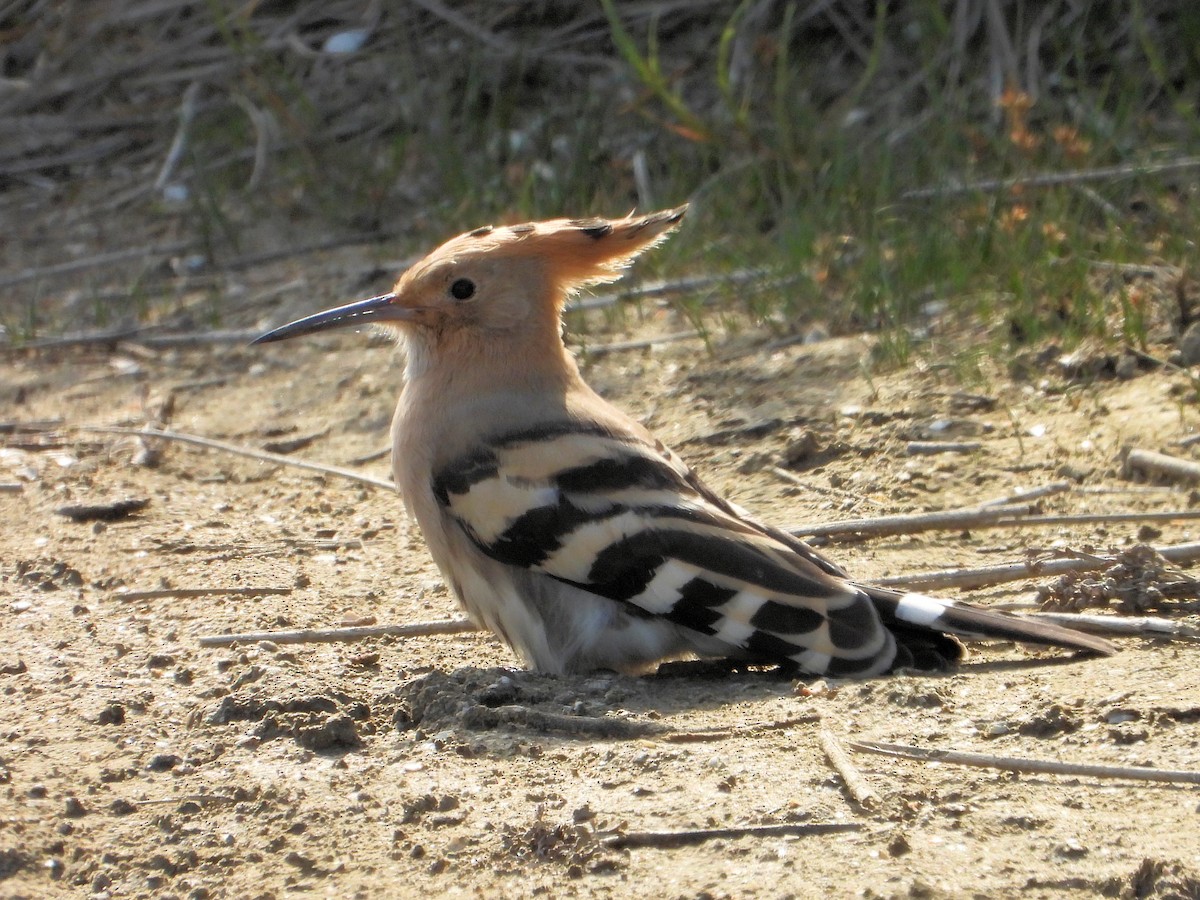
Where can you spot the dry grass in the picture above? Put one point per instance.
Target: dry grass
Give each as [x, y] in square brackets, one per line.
[832, 140]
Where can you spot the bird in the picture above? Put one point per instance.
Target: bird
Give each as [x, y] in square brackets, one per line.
[566, 528]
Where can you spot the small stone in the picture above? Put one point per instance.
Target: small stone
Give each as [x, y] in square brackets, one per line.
[1120, 715]
[337, 731]
[1071, 847]
[1126, 367]
[801, 446]
[754, 462]
[112, 714]
[163, 762]
[74, 809]
[300, 861]
[1189, 345]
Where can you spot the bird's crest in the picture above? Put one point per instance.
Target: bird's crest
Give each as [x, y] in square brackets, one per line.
[575, 252]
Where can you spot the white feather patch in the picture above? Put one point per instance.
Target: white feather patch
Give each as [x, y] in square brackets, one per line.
[574, 559]
[743, 605]
[813, 660]
[734, 632]
[493, 504]
[919, 609]
[663, 590]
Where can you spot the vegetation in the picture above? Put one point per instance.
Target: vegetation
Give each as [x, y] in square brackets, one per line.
[980, 156]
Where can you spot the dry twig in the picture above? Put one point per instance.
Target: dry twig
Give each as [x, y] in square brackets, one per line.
[666, 288]
[1052, 179]
[329, 635]
[987, 575]
[239, 450]
[1045, 490]
[188, 593]
[1148, 462]
[1011, 516]
[1123, 626]
[972, 517]
[92, 262]
[1030, 766]
[643, 344]
[670, 839]
[932, 448]
[860, 791]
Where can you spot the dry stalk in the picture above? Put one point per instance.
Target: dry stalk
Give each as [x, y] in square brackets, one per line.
[1030, 766]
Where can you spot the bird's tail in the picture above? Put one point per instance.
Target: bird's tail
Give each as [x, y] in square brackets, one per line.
[918, 620]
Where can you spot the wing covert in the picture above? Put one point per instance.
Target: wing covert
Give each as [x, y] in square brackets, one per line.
[626, 520]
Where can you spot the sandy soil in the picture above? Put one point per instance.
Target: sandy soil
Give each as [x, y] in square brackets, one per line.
[135, 762]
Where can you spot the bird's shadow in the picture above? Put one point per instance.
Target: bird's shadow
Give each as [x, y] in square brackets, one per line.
[489, 709]
[471, 701]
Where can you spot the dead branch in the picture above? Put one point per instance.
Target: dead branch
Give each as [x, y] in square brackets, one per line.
[909, 524]
[1052, 179]
[239, 450]
[1169, 515]
[31, 426]
[331, 635]
[858, 788]
[705, 735]
[988, 575]
[665, 840]
[1157, 489]
[644, 344]
[373, 456]
[980, 517]
[187, 112]
[93, 262]
[188, 593]
[1027, 766]
[1147, 462]
[932, 448]
[1123, 626]
[1054, 487]
[111, 511]
[666, 288]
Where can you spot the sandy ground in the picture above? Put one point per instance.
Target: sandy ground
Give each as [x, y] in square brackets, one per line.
[135, 762]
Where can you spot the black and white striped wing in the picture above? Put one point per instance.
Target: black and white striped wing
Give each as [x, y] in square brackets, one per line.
[626, 520]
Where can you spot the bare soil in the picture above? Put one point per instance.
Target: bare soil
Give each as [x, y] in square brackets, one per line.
[135, 762]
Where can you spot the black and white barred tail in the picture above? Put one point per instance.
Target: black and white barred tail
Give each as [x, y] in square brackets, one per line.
[622, 518]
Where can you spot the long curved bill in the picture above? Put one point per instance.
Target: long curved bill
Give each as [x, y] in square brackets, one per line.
[361, 312]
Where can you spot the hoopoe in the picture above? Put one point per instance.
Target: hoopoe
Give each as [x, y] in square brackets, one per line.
[563, 526]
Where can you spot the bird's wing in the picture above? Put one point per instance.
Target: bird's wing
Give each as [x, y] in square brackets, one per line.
[625, 519]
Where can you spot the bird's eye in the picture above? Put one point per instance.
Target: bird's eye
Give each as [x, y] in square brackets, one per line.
[463, 289]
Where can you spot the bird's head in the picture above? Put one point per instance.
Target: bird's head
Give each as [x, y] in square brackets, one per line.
[498, 279]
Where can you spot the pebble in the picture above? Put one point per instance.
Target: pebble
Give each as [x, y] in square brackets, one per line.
[1189, 346]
